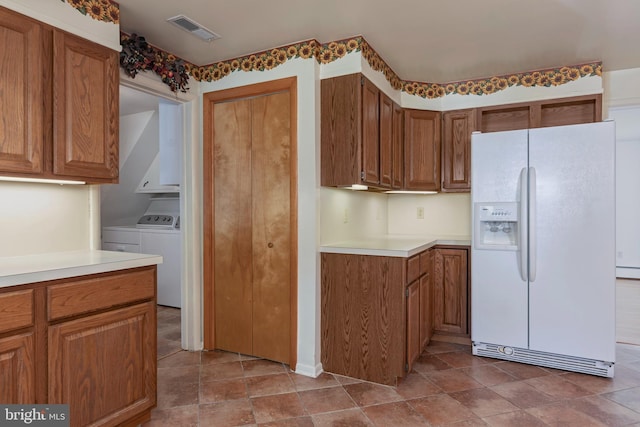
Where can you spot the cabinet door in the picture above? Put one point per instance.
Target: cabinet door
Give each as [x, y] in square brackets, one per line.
[450, 307]
[104, 366]
[425, 310]
[341, 130]
[456, 150]
[386, 141]
[426, 290]
[22, 86]
[370, 133]
[422, 150]
[413, 324]
[571, 111]
[85, 109]
[397, 169]
[17, 376]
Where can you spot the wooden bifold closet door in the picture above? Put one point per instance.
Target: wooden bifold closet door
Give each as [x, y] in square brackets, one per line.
[251, 215]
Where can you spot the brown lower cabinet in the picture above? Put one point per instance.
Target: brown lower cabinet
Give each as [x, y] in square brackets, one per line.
[451, 291]
[377, 313]
[88, 341]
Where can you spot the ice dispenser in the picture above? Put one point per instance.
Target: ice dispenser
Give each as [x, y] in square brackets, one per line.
[496, 226]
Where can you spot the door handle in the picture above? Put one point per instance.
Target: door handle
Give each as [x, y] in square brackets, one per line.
[523, 259]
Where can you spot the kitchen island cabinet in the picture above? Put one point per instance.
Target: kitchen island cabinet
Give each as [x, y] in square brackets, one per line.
[61, 103]
[87, 340]
[363, 316]
[376, 305]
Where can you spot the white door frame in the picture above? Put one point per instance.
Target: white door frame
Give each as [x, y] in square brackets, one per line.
[190, 201]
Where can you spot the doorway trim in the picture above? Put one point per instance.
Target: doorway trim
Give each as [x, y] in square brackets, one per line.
[210, 98]
[190, 202]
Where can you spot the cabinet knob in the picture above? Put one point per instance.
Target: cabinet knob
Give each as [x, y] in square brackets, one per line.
[270, 244]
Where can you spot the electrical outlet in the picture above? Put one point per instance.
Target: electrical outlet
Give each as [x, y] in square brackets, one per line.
[345, 217]
[420, 213]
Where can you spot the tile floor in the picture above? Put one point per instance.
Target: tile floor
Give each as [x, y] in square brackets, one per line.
[448, 386]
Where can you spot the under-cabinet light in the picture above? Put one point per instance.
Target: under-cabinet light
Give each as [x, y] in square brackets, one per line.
[410, 192]
[40, 180]
[357, 187]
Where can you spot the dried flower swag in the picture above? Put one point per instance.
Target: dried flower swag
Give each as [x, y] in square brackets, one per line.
[137, 55]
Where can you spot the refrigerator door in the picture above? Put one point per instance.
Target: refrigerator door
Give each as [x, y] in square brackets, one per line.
[572, 297]
[498, 292]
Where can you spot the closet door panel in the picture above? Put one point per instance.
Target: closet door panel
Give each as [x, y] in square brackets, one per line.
[271, 226]
[232, 245]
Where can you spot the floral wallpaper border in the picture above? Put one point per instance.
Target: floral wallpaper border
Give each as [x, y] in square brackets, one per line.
[542, 78]
[100, 10]
[332, 51]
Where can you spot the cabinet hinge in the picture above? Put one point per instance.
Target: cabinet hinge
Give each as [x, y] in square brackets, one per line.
[406, 367]
[406, 292]
[361, 80]
[362, 175]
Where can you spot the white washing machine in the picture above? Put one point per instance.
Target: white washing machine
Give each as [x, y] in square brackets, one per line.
[158, 234]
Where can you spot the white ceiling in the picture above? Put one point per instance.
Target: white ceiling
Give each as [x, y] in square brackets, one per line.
[421, 40]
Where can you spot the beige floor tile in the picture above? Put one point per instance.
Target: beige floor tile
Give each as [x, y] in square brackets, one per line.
[367, 394]
[326, 400]
[395, 414]
[448, 386]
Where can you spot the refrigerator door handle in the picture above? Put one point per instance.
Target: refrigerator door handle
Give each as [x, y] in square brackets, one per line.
[532, 225]
[524, 256]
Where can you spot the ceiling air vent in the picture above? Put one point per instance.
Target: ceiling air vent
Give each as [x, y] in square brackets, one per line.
[191, 26]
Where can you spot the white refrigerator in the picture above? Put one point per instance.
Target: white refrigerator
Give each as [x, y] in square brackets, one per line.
[543, 246]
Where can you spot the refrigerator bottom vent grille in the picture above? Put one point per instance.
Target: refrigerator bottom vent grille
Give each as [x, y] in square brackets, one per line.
[549, 360]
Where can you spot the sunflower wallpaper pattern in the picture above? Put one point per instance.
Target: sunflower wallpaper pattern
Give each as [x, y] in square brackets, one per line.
[109, 11]
[100, 10]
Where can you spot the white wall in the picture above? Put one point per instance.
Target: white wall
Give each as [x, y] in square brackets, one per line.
[120, 204]
[444, 214]
[347, 215]
[627, 120]
[40, 218]
[622, 94]
[627, 309]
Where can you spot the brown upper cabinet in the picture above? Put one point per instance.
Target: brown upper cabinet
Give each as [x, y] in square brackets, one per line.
[60, 103]
[458, 126]
[456, 149]
[422, 150]
[358, 137]
[552, 112]
[368, 139]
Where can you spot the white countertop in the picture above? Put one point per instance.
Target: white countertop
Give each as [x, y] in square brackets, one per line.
[20, 270]
[393, 245]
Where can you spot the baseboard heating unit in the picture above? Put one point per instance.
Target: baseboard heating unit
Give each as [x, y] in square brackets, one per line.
[548, 360]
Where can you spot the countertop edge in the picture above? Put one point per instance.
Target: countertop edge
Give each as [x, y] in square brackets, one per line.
[27, 269]
[354, 249]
